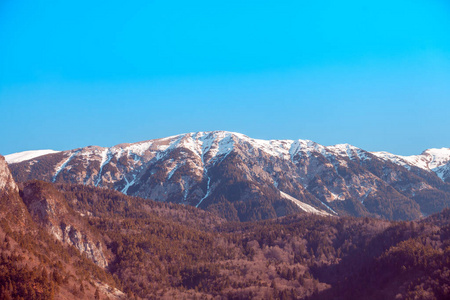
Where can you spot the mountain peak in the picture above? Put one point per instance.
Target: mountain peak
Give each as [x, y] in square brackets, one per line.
[430, 159]
[437, 157]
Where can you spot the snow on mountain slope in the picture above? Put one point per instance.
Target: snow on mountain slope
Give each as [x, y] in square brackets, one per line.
[430, 159]
[437, 157]
[216, 143]
[347, 150]
[26, 155]
[224, 169]
[209, 145]
[305, 207]
[443, 171]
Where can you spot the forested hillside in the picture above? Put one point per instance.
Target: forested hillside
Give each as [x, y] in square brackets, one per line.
[159, 250]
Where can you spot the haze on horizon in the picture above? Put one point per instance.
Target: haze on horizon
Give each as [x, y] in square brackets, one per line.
[374, 75]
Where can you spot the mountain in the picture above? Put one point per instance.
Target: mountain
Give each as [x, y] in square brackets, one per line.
[53, 241]
[243, 179]
[161, 250]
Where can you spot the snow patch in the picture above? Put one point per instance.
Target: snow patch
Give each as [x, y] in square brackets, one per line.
[173, 170]
[305, 207]
[275, 148]
[139, 148]
[64, 165]
[366, 195]
[207, 192]
[350, 151]
[443, 171]
[106, 158]
[129, 183]
[27, 155]
[217, 143]
[433, 160]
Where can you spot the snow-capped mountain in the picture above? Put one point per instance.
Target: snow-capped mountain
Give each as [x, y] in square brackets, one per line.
[244, 179]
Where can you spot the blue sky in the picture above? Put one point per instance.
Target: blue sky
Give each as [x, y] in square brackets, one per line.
[78, 73]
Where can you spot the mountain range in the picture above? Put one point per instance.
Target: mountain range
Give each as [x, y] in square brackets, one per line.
[74, 241]
[242, 179]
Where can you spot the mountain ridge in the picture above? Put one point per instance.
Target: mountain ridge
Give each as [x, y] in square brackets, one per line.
[194, 168]
[440, 156]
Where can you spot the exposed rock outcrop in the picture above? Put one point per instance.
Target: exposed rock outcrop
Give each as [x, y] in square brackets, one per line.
[48, 208]
[7, 183]
[12, 208]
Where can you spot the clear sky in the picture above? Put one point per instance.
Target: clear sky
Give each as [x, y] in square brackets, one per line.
[375, 74]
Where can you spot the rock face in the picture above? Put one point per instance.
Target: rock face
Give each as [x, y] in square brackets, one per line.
[40, 203]
[12, 208]
[7, 183]
[48, 208]
[247, 179]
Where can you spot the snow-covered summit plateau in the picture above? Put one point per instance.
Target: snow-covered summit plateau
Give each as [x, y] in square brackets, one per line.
[26, 155]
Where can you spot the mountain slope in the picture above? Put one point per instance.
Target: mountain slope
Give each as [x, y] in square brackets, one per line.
[248, 179]
[38, 260]
[434, 160]
[159, 250]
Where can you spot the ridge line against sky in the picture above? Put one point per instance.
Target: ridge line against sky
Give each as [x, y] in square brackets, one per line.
[374, 75]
